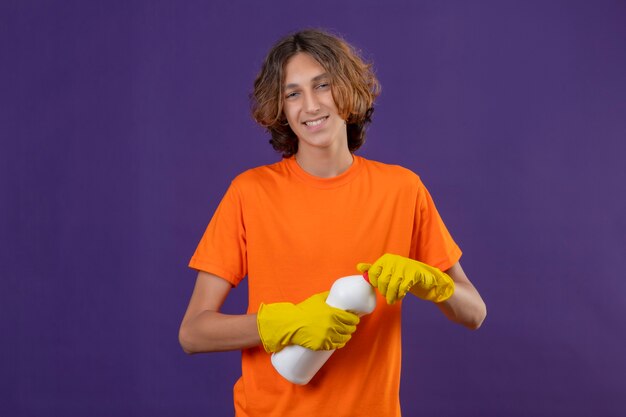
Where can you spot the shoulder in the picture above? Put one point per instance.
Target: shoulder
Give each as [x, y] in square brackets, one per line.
[260, 176]
[380, 171]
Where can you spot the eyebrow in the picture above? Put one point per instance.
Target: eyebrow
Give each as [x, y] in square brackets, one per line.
[314, 79]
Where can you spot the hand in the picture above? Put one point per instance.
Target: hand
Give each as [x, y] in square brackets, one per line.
[395, 275]
[311, 323]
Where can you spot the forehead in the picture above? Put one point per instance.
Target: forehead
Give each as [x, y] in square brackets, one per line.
[302, 68]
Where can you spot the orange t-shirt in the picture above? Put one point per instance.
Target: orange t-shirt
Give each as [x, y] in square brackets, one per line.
[293, 235]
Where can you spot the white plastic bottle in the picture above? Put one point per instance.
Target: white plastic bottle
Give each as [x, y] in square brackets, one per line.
[298, 364]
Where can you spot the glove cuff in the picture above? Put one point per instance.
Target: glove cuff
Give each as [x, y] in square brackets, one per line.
[259, 325]
[272, 322]
[444, 289]
[438, 291]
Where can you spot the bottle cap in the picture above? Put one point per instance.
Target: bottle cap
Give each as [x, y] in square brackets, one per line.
[366, 277]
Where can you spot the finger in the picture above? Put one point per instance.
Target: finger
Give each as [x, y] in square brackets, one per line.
[383, 283]
[363, 267]
[392, 289]
[327, 344]
[373, 273]
[346, 330]
[345, 317]
[338, 340]
[404, 288]
[339, 346]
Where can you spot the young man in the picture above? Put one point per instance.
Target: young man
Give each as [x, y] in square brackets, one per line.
[295, 226]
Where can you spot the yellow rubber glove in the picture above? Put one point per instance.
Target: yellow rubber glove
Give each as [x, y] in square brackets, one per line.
[311, 323]
[395, 275]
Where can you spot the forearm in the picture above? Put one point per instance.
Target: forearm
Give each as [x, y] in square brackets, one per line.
[465, 306]
[211, 331]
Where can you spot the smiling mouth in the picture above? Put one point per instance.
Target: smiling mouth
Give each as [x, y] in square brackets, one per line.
[316, 122]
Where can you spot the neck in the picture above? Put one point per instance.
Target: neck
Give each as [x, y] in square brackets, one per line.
[324, 163]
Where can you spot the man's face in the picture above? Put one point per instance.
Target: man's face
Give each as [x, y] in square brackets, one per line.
[309, 106]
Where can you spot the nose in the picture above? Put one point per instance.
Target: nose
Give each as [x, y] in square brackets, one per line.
[311, 103]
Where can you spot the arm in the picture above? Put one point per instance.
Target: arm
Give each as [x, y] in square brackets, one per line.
[452, 291]
[311, 323]
[465, 306]
[205, 329]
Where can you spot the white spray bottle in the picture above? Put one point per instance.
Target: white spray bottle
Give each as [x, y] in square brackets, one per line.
[298, 364]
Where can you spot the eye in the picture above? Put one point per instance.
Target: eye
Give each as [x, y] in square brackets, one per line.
[323, 85]
[291, 95]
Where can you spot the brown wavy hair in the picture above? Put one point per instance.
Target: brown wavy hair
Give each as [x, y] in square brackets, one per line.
[353, 83]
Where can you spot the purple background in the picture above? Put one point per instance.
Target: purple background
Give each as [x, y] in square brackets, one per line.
[122, 124]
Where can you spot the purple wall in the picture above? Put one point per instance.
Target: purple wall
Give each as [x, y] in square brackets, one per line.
[122, 125]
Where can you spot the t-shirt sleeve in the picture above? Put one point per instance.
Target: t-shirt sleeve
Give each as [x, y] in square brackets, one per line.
[432, 243]
[222, 249]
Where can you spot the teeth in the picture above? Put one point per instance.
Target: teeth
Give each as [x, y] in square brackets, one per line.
[315, 122]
